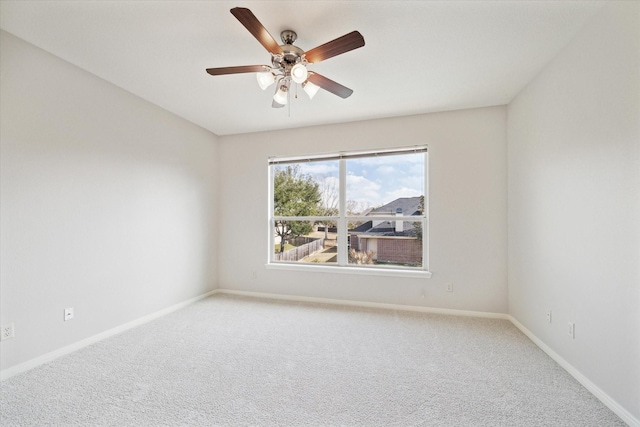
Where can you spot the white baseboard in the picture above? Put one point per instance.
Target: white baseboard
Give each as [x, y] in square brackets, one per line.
[594, 389]
[46, 358]
[366, 304]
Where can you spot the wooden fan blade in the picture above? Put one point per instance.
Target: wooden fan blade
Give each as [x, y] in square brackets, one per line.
[237, 70]
[329, 85]
[343, 44]
[251, 23]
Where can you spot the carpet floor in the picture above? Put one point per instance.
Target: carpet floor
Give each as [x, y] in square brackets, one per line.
[236, 361]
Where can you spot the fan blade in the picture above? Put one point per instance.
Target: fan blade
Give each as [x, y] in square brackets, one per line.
[343, 44]
[329, 85]
[237, 70]
[251, 23]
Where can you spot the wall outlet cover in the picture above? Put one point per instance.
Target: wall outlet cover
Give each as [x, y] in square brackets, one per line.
[7, 332]
[571, 330]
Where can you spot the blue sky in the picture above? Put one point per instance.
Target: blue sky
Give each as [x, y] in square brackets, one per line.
[371, 181]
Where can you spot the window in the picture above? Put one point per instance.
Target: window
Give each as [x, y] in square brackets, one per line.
[359, 211]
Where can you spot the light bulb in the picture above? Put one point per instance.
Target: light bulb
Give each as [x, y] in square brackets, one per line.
[281, 95]
[265, 79]
[310, 89]
[299, 73]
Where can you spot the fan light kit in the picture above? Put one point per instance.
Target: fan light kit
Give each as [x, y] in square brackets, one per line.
[289, 62]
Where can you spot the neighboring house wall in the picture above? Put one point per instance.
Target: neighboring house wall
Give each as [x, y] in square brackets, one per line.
[404, 251]
[366, 245]
[391, 249]
[354, 242]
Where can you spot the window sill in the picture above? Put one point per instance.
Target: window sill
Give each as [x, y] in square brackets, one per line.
[393, 272]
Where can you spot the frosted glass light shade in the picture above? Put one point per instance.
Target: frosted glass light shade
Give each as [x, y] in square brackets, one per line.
[310, 89]
[265, 79]
[299, 73]
[281, 95]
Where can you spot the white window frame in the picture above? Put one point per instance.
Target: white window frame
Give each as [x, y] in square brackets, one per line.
[342, 219]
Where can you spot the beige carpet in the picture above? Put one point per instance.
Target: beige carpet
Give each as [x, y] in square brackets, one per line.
[233, 361]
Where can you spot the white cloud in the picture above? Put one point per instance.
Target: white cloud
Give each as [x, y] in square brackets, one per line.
[402, 192]
[412, 181]
[386, 170]
[363, 190]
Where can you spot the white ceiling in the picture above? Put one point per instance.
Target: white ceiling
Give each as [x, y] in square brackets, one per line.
[420, 56]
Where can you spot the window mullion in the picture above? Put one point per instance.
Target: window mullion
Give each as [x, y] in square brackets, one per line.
[425, 214]
[305, 218]
[343, 257]
[270, 216]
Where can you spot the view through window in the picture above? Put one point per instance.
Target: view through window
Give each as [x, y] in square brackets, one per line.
[365, 209]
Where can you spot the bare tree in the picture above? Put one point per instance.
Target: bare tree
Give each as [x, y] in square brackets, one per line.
[330, 204]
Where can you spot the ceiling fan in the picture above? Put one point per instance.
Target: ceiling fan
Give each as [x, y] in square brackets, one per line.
[289, 62]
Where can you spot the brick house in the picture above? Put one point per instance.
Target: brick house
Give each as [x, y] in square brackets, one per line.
[390, 241]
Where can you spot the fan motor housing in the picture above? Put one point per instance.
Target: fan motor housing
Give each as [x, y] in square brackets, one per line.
[291, 54]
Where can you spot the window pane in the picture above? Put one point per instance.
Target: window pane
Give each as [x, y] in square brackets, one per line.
[306, 189]
[390, 243]
[302, 241]
[383, 216]
[375, 182]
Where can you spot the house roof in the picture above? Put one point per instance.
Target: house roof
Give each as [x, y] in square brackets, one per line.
[388, 229]
[362, 227]
[409, 205]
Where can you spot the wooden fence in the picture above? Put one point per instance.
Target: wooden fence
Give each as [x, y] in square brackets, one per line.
[296, 254]
[301, 240]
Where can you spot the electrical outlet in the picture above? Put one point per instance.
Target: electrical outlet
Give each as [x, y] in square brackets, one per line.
[68, 314]
[548, 316]
[571, 330]
[7, 332]
[449, 287]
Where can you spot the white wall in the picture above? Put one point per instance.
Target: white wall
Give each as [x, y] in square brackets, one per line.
[107, 204]
[467, 174]
[574, 203]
